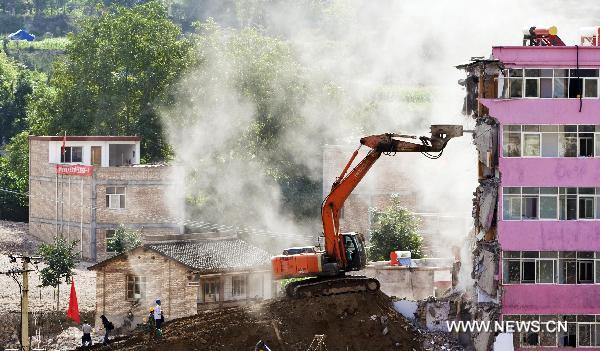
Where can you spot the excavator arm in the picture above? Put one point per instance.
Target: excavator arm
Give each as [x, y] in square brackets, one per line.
[345, 183]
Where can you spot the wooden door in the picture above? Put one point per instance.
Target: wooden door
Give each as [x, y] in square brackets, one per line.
[96, 155]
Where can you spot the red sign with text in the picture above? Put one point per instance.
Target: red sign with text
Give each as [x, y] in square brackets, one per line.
[77, 170]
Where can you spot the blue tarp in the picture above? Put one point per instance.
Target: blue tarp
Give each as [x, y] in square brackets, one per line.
[21, 34]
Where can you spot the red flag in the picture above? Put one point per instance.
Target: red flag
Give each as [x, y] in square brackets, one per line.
[73, 311]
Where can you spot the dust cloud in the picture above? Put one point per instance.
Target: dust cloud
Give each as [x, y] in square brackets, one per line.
[366, 67]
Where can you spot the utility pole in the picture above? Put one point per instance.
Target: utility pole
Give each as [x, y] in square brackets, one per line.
[24, 287]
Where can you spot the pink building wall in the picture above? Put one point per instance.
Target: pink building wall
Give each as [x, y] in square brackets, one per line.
[547, 235]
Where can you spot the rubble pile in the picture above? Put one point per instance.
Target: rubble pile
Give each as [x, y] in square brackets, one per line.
[349, 322]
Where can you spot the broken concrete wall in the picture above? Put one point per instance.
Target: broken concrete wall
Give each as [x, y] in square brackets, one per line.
[484, 304]
[409, 282]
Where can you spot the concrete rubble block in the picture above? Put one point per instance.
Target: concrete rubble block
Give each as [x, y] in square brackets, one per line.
[436, 315]
[487, 266]
[484, 312]
[487, 196]
[485, 139]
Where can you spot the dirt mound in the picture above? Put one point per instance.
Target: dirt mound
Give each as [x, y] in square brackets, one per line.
[350, 322]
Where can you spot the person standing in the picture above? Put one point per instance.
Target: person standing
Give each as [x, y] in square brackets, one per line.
[158, 317]
[86, 339]
[108, 326]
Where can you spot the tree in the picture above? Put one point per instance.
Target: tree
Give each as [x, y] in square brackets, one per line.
[123, 240]
[60, 259]
[394, 228]
[118, 69]
[20, 91]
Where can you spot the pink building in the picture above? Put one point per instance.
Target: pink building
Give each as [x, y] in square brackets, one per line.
[537, 208]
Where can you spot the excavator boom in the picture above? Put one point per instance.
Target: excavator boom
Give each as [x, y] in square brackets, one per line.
[345, 252]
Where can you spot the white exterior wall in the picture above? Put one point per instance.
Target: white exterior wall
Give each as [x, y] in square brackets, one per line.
[55, 146]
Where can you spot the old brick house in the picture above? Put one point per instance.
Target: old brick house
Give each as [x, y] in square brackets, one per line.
[101, 185]
[186, 275]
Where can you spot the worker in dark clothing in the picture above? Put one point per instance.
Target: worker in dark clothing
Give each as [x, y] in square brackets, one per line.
[108, 327]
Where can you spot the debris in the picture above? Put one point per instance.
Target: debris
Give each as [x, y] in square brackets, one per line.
[370, 323]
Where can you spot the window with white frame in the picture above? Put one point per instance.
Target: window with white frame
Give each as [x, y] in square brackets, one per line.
[581, 330]
[115, 197]
[136, 287]
[551, 141]
[211, 290]
[71, 154]
[238, 285]
[550, 203]
[550, 267]
[548, 83]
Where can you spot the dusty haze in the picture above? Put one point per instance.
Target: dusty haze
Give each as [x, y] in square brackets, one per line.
[371, 53]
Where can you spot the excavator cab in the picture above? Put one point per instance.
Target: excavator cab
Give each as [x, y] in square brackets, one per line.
[356, 255]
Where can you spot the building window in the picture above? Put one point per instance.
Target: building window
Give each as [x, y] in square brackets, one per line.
[551, 267]
[568, 330]
[547, 203]
[238, 286]
[210, 289]
[136, 287]
[115, 197]
[71, 154]
[548, 83]
[551, 141]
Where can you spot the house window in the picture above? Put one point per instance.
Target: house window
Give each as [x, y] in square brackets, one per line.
[516, 83]
[548, 203]
[545, 273]
[238, 286]
[109, 234]
[531, 142]
[547, 323]
[71, 154]
[210, 290]
[548, 83]
[530, 338]
[567, 141]
[511, 144]
[586, 140]
[529, 207]
[136, 287]
[512, 203]
[551, 141]
[115, 197]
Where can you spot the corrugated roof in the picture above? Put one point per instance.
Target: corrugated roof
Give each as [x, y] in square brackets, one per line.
[214, 255]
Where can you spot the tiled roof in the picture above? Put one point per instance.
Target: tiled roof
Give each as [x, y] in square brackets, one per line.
[214, 255]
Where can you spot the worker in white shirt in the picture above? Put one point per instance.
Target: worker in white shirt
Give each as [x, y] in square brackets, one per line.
[158, 317]
[86, 339]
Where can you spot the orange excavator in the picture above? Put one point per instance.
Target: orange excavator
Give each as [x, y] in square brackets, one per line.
[345, 252]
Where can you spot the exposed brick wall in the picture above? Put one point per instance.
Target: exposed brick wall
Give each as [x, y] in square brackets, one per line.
[147, 201]
[165, 279]
[143, 204]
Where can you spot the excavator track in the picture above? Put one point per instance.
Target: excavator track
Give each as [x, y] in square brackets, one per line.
[322, 286]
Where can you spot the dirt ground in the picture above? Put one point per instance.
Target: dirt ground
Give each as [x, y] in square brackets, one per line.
[350, 322]
[15, 238]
